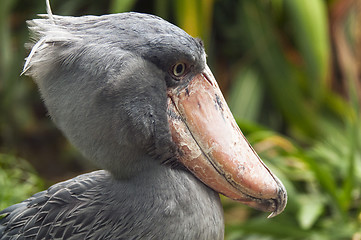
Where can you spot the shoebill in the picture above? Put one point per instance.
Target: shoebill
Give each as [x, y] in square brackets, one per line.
[133, 93]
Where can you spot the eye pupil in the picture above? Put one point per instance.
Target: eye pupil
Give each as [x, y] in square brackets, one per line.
[179, 69]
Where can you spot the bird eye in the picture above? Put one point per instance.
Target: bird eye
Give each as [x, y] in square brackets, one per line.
[179, 69]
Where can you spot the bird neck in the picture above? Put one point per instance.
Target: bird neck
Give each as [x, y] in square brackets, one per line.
[170, 202]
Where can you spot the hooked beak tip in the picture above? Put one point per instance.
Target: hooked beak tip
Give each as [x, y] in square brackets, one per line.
[280, 202]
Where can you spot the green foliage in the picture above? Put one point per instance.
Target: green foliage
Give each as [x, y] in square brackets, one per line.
[18, 180]
[118, 6]
[276, 61]
[310, 34]
[323, 183]
[320, 160]
[195, 17]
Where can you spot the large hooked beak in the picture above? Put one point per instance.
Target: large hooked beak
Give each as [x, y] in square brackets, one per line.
[213, 148]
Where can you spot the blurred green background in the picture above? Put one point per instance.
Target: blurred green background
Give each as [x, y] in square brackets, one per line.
[290, 70]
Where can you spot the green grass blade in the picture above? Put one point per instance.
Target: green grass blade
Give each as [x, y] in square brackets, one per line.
[310, 29]
[278, 73]
[195, 17]
[246, 95]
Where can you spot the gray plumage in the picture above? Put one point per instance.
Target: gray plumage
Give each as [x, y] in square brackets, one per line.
[96, 206]
[104, 81]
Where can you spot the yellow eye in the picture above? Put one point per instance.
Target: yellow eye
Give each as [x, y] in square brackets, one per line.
[179, 69]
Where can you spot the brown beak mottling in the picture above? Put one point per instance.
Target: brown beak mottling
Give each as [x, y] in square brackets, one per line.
[213, 148]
